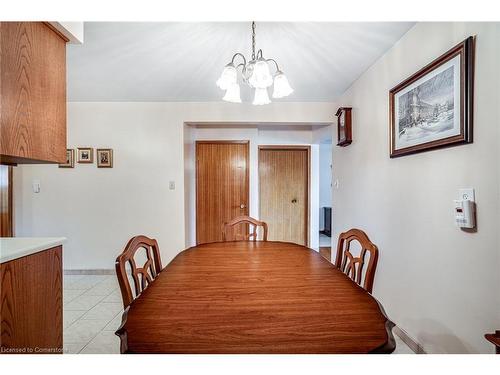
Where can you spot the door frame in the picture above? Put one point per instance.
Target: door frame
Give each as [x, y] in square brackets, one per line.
[247, 173]
[308, 175]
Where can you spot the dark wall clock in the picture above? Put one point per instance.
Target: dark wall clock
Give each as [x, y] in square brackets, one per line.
[344, 126]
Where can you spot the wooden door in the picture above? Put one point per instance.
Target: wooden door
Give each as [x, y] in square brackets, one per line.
[221, 186]
[284, 191]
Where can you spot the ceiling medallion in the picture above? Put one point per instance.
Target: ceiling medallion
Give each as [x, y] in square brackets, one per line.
[257, 74]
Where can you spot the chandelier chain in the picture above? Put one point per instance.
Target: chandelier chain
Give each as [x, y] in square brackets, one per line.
[253, 40]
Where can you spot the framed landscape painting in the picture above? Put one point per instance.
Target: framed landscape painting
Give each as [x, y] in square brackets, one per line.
[433, 107]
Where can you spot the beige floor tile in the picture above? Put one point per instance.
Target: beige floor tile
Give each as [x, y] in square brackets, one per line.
[111, 280]
[101, 289]
[70, 294]
[71, 278]
[106, 342]
[115, 323]
[83, 331]
[70, 316]
[73, 348]
[86, 282]
[103, 310]
[83, 302]
[114, 296]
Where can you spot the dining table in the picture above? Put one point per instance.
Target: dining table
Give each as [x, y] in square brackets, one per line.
[254, 297]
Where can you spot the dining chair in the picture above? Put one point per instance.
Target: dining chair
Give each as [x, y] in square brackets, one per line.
[145, 252]
[354, 266]
[494, 338]
[228, 229]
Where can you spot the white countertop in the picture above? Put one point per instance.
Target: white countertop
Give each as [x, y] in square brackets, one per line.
[16, 247]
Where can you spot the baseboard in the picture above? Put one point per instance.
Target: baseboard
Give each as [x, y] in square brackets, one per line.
[89, 272]
[412, 344]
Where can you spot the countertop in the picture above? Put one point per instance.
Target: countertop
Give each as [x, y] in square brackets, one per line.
[16, 247]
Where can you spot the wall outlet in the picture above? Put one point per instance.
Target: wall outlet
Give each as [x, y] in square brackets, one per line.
[171, 185]
[467, 194]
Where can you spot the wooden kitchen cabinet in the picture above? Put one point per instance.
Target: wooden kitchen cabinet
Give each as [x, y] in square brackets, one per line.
[32, 93]
[31, 308]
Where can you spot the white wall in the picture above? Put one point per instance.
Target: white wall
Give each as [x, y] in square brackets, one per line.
[98, 210]
[438, 283]
[325, 179]
[262, 134]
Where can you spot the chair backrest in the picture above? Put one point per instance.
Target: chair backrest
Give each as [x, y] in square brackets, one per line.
[354, 266]
[141, 275]
[229, 229]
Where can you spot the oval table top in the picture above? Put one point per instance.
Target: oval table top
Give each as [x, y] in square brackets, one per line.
[254, 297]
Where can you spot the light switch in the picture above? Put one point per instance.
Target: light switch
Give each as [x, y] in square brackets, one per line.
[36, 186]
[171, 185]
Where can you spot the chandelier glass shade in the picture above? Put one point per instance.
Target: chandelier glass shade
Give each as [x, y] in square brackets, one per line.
[256, 73]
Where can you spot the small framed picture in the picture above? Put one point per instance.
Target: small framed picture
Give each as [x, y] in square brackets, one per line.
[70, 159]
[85, 155]
[104, 158]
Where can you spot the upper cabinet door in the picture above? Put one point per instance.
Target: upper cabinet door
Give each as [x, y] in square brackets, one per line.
[32, 93]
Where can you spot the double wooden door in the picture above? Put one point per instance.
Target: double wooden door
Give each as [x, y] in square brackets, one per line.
[221, 186]
[284, 191]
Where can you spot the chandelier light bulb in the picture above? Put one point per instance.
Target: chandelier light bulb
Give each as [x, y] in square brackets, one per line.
[281, 86]
[233, 94]
[261, 77]
[228, 77]
[255, 73]
[261, 97]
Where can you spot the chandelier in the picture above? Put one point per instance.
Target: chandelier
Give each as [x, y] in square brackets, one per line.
[256, 73]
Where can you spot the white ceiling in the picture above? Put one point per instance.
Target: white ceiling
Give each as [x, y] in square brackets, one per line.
[124, 61]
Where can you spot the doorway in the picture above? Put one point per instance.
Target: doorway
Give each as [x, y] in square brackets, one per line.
[222, 186]
[325, 198]
[284, 175]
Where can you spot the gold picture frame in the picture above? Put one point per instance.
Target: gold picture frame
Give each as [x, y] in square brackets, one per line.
[70, 159]
[85, 155]
[104, 158]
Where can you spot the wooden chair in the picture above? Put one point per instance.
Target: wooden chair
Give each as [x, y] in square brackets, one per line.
[142, 276]
[228, 229]
[494, 338]
[354, 266]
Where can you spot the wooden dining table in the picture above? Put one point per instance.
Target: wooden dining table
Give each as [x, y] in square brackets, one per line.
[254, 297]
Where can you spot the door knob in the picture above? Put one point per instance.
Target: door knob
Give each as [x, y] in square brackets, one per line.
[294, 200]
[242, 206]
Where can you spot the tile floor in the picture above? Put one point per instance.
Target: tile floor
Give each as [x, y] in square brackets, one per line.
[92, 313]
